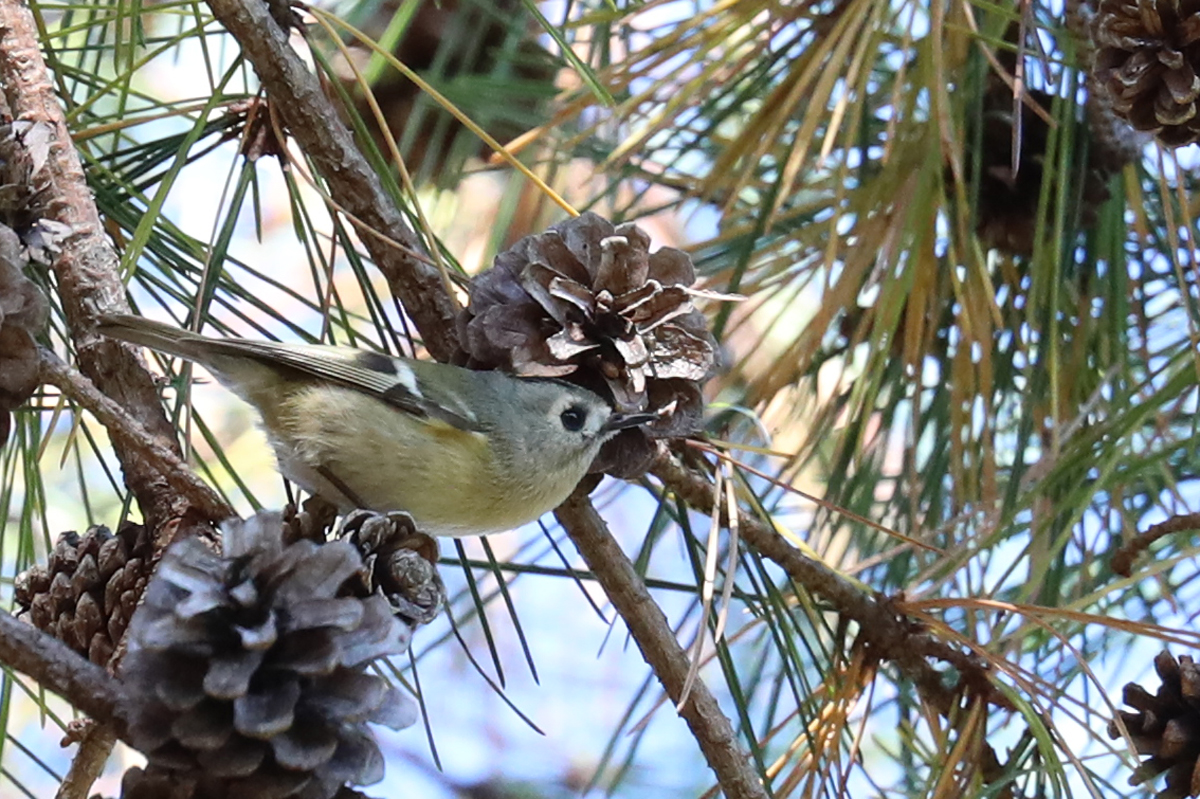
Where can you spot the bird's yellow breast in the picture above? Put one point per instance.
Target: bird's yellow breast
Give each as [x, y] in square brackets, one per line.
[447, 478]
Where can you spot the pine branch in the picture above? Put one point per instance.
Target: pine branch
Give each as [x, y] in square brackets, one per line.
[86, 267]
[316, 125]
[892, 636]
[95, 745]
[661, 650]
[60, 670]
[150, 450]
[114, 382]
[1123, 559]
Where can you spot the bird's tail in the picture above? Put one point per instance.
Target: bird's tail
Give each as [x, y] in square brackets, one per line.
[157, 336]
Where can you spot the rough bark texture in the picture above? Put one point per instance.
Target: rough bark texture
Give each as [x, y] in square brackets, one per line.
[56, 668]
[95, 745]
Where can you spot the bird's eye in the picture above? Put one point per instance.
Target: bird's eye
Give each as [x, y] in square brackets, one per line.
[573, 418]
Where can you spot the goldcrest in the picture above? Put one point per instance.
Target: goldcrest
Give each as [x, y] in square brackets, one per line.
[464, 452]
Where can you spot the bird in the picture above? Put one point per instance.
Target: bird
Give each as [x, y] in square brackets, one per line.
[464, 452]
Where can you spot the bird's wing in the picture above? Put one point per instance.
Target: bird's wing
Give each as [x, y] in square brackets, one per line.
[390, 379]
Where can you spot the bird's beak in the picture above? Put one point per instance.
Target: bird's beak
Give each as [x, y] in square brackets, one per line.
[623, 421]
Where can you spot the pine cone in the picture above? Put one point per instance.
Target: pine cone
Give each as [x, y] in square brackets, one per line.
[1112, 140]
[1007, 200]
[589, 302]
[312, 523]
[23, 314]
[1166, 727]
[1147, 57]
[23, 307]
[157, 783]
[253, 666]
[87, 592]
[398, 561]
[1008, 203]
[24, 148]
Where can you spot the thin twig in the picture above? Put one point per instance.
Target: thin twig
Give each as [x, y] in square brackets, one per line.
[86, 266]
[317, 127]
[653, 636]
[887, 632]
[95, 745]
[1122, 560]
[157, 453]
[60, 670]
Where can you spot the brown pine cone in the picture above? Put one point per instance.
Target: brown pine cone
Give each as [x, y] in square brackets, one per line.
[312, 523]
[89, 588]
[23, 314]
[1147, 58]
[399, 561]
[1008, 203]
[589, 303]
[1008, 194]
[153, 783]
[1166, 727]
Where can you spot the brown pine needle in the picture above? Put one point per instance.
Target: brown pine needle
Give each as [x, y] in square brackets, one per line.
[814, 499]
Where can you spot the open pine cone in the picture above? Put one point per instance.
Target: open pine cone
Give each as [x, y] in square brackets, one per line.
[1148, 57]
[588, 302]
[23, 238]
[253, 667]
[399, 562]
[1166, 727]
